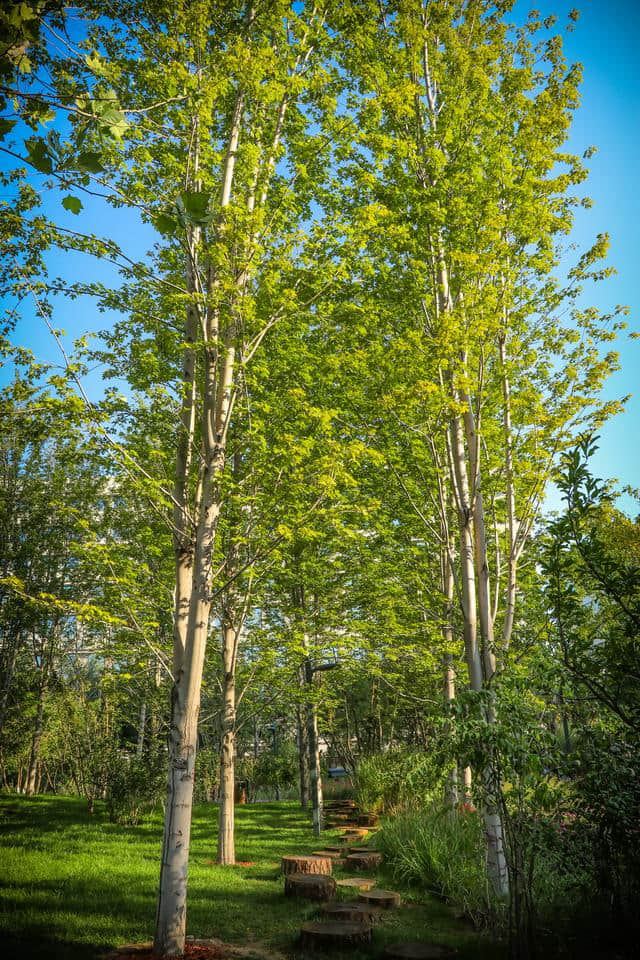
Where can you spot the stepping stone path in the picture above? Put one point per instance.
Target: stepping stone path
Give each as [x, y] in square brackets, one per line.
[356, 883]
[380, 898]
[306, 865]
[418, 951]
[364, 861]
[309, 886]
[335, 934]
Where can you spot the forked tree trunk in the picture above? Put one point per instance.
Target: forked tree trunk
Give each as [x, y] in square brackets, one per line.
[190, 635]
[226, 810]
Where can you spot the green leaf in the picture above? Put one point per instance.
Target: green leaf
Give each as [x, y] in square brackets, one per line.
[73, 204]
[165, 224]
[89, 161]
[6, 126]
[39, 155]
[194, 206]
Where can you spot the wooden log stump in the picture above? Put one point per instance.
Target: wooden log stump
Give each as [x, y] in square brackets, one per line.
[356, 883]
[334, 934]
[332, 854]
[339, 850]
[364, 861]
[309, 886]
[312, 864]
[386, 899]
[352, 833]
[362, 850]
[418, 951]
[359, 912]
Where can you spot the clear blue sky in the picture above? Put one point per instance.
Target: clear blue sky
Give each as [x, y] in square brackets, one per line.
[606, 41]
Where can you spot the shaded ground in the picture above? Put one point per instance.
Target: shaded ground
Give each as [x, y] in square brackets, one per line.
[72, 886]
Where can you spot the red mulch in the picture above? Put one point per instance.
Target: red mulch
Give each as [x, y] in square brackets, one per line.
[192, 951]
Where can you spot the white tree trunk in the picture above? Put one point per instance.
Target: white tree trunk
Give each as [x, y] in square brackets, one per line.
[226, 810]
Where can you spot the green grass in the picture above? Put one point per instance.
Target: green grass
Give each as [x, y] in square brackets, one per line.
[73, 885]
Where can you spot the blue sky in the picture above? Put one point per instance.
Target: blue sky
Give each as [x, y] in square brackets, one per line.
[606, 41]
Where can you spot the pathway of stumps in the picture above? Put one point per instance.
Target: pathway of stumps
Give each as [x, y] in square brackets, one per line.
[347, 925]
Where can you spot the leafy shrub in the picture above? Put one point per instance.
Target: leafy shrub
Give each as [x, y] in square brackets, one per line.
[207, 775]
[386, 781]
[135, 786]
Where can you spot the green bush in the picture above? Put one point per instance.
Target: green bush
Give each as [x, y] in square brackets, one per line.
[135, 786]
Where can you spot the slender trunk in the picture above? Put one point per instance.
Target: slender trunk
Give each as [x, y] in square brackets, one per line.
[512, 526]
[467, 785]
[36, 739]
[141, 729]
[226, 813]
[314, 755]
[303, 759]
[451, 786]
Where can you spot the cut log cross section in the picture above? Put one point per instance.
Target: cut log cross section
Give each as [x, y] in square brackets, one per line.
[386, 899]
[313, 864]
[350, 911]
[364, 861]
[335, 935]
[356, 883]
[309, 886]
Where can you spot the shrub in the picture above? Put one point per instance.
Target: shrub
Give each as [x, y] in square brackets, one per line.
[387, 781]
[135, 786]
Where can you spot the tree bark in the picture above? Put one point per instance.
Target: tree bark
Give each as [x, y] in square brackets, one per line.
[314, 755]
[226, 810]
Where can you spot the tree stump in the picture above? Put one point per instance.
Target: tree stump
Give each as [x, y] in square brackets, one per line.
[309, 886]
[336, 935]
[359, 912]
[352, 833]
[356, 883]
[339, 850]
[306, 865]
[364, 861]
[362, 850]
[386, 899]
[417, 951]
[332, 854]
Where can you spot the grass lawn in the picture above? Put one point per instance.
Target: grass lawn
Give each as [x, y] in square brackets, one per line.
[73, 885]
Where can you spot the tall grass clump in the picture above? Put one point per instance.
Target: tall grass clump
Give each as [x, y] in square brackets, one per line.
[442, 851]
